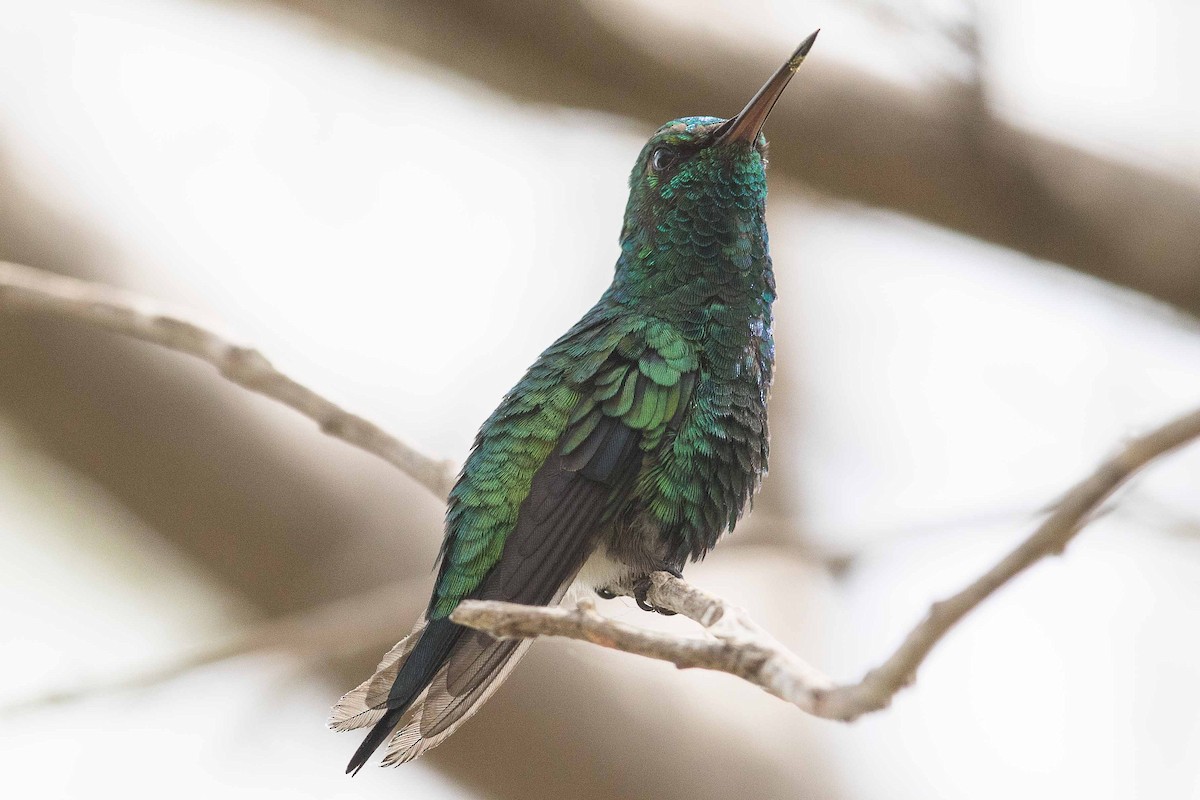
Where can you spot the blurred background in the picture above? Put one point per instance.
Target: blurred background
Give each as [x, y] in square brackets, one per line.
[985, 221]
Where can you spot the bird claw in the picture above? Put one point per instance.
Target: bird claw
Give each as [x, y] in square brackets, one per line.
[642, 588]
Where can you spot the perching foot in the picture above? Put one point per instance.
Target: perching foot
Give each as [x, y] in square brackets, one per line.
[642, 588]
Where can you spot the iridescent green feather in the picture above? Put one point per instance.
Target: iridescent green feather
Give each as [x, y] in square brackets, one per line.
[679, 349]
[555, 407]
[695, 258]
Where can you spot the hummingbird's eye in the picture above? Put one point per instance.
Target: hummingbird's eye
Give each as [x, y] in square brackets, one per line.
[662, 158]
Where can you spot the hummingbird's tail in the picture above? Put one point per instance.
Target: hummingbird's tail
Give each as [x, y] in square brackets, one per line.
[366, 704]
[401, 678]
[427, 685]
[434, 680]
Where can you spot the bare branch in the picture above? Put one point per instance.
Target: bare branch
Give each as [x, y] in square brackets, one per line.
[26, 288]
[741, 648]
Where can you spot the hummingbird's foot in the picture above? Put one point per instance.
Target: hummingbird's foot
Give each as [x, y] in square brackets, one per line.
[642, 588]
[605, 593]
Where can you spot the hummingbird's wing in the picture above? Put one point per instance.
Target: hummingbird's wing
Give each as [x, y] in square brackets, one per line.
[573, 431]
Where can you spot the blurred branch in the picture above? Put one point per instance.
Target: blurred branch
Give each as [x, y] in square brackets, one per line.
[343, 628]
[857, 542]
[927, 153]
[122, 312]
[741, 648]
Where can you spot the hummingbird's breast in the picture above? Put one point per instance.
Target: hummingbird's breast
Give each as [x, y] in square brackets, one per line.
[700, 482]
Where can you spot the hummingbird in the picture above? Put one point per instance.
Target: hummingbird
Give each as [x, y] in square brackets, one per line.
[629, 447]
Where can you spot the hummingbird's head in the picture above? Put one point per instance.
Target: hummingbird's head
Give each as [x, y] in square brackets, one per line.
[697, 197]
[689, 156]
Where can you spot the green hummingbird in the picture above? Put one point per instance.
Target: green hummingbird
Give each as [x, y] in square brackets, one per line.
[630, 445]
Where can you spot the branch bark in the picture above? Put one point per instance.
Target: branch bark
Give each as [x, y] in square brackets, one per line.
[25, 288]
[741, 648]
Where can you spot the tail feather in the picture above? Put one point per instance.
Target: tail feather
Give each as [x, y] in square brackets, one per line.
[465, 677]
[435, 679]
[366, 703]
[426, 691]
[472, 674]
[382, 730]
[402, 680]
[441, 711]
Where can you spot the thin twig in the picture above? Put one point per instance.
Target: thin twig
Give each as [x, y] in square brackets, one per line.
[123, 312]
[741, 648]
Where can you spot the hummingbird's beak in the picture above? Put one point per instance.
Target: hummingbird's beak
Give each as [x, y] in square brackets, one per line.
[746, 125]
